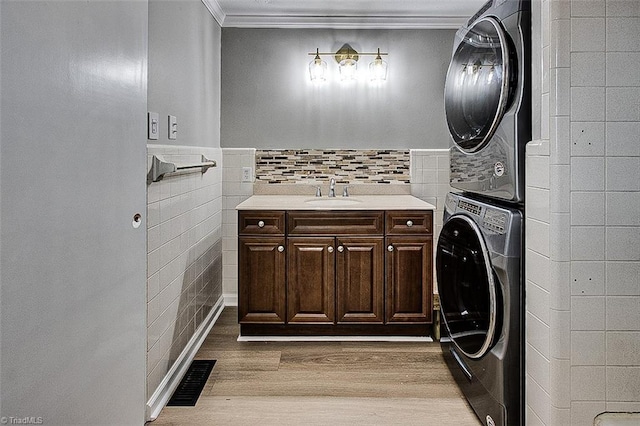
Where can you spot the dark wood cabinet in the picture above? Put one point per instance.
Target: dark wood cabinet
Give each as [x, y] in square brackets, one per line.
[409, 266]
[360, 279]
[261, 267]
[311, 280]
[335, 272]
[262, 274]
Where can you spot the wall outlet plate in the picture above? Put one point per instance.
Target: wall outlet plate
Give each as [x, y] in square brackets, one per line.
[246, 174]
[153, 125]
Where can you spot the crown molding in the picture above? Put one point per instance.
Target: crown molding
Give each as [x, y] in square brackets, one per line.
[216, 11]
[345, 22]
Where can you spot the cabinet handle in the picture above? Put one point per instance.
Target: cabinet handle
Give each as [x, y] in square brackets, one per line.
[390, 248]
[330, 249]
[409, 223]
[340, 249]
[261, 224]
[280, 249]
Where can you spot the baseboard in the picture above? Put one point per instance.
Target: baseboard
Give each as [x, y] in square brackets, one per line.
[230, 299]
[334, 339]
[168, 385]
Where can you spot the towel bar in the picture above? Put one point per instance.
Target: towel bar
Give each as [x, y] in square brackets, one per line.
[159, 168]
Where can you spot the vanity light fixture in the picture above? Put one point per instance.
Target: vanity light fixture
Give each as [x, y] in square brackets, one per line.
[347, 59]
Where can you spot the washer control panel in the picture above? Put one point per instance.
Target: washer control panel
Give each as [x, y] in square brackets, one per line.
[495, 221]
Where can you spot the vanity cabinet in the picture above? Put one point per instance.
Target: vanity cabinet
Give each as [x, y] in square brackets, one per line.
[335, 272]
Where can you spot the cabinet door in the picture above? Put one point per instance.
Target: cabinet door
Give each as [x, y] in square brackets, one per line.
[311, 280]
[261, 279]
[360, 279]
[409, 273]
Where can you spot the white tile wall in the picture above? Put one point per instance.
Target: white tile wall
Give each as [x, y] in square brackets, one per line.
[235, 191]
[621, 140]
[587, 138]
[594, 298]
[587, 34]
[587, 278]
[184, 255]
[588, 8]
[587, 348]
[430, 180]
[618, 66]
[623, 348]
[623, 278]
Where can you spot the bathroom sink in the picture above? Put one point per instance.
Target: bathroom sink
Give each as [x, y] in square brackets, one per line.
[332, 202]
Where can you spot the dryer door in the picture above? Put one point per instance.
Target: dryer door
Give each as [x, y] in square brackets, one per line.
[478, 85]
[467, 287]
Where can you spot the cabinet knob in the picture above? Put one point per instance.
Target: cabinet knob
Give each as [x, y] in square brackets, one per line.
[390, 248]
[330, 249]
[340, 249]
[261, 224]
[409, 223]
[280, 249]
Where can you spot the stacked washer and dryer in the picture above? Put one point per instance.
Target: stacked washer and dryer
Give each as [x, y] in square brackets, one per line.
[479, 257]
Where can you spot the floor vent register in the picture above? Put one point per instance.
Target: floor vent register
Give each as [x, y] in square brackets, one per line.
[189, 389]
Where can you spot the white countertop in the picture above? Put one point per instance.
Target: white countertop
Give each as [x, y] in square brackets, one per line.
[355, 202]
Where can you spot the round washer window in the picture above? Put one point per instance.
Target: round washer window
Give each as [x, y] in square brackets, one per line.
[477, 85]
[466, 285]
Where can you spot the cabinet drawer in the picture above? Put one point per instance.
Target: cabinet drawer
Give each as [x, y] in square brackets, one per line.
[409, 222]
[335, 223]
[260, 222]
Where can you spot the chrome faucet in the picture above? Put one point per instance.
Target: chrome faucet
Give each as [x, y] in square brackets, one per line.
[332, 187]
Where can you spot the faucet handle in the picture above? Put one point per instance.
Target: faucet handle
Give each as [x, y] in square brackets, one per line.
[345, 192]
[318, 192]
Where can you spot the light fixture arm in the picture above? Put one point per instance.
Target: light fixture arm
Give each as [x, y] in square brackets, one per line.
[354, 54]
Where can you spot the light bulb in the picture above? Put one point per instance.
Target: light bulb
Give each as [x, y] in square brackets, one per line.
[317, 69]
[348, 68]
[378, 69]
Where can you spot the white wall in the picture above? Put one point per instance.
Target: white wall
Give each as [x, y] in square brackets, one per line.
[268, 100]
[72, 161]
[583, 210]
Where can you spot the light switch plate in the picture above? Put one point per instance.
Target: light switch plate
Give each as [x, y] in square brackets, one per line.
[173, 127]
[153, 124]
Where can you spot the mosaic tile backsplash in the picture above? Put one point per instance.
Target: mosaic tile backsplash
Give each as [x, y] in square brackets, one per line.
[345, 165]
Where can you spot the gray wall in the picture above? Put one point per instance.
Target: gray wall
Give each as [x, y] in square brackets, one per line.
[184, 71]
[184, 274]
[72, 161]
[268, 100]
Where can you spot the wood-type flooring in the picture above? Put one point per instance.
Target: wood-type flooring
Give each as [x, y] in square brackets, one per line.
[321, 383]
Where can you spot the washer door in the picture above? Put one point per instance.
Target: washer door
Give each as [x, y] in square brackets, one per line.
[478, 85]
[467, 286]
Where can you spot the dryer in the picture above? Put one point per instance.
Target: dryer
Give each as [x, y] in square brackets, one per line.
[479, 271]
[487, 101]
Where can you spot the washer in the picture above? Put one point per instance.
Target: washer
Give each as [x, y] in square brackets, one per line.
[488, 101]
[479, 272]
